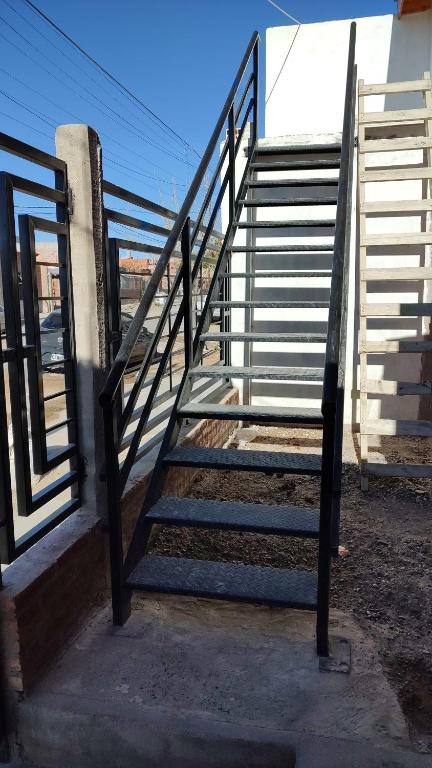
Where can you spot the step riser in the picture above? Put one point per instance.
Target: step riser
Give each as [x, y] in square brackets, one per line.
[298, 149]
[254, 419]
[294, 374]
[236, 516]
[288, 203]
[225, 581]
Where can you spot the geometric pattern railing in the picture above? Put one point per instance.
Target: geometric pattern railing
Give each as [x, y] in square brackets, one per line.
[39, 458]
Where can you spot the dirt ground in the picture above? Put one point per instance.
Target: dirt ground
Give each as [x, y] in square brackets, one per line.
[384, 580]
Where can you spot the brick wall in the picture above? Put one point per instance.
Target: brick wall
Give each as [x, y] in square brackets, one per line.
[50, 591]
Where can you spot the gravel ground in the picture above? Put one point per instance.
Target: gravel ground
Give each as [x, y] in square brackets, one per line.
[384, 580]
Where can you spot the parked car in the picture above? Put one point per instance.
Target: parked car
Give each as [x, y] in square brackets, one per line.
[52, 339]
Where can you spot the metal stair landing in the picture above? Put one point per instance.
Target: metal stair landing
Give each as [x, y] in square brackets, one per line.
[302, 214]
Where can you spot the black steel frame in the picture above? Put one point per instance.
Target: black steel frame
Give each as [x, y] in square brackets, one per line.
[113, 246]
[117, 419]
[24, 358]
[334, 368]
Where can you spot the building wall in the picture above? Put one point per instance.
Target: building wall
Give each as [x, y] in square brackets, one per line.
[309, 94]
[306, 105]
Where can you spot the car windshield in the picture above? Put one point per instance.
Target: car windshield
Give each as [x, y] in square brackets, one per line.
[53, 320]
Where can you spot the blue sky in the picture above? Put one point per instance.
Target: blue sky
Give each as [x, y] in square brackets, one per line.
[179, 56]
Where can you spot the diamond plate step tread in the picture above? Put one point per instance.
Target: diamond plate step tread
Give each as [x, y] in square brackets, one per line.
[301, 149]
[314, 338]
[225, 581]
[305, 223]
[268, 201]
[272, 304]
[252, 461]
[279, 274]
[286, 248]
[312, 163]
[236, 516]
[281, 183]
[257, 414]
[276, 374]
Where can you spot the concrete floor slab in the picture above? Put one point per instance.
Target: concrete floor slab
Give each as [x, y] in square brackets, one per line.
[191, 682]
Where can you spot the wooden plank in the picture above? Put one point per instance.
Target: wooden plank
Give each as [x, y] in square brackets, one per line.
[395, 116]
[364, 440]
[381, 387]
[396, 427]
[406, 87]
[396, 345]
[398, 238]
[397, 470]
[399, 273]
[396, 174]
[396, 310]
[395, 145]
[396, 206]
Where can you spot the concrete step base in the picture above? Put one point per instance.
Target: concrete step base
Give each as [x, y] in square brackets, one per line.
[190, 683]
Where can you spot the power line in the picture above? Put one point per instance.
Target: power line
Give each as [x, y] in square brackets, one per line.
[79, 118]
[296, 21]
[110, 76]
[84, 71]
[136, 132]
[289, 49]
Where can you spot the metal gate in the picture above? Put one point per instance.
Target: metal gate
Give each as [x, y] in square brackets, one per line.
[39, 455]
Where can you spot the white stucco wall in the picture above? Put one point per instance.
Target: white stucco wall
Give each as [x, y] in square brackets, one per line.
[306, 106]
[309, 94]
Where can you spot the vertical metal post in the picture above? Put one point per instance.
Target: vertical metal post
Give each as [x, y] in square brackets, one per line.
[255, 93]
[187, 293]
[119, 595]
[14, 340]
[7, 539]
[169, 326]
[231, 163]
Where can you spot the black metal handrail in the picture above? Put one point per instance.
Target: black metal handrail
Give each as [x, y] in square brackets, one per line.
[118, 369]
[334, 367]
[240, 108]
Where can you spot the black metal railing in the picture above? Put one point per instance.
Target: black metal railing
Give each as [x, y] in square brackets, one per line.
[126, 285]
[30, 459]
[196, 236]
[334, 368]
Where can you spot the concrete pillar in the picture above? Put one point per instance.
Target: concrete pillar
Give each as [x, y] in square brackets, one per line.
[79, 147]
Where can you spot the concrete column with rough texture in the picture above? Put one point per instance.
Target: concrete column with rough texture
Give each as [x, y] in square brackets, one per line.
[79, 147]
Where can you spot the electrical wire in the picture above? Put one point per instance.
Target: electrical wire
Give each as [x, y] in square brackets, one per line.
[117, 116]
[102, 133]
[296, 21]
[110, 76]
[84, 71]
[289, 49]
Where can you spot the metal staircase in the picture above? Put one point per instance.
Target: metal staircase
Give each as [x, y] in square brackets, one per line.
[263, 185]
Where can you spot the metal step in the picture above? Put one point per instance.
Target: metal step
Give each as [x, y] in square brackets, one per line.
[288, 183]
[271, 304]
[273, 202]
[236, 516]
[225, 581]
[273, 374]
[257, 414]
[313, 163]
[317, 338]
[287, 248]
[305, 223]
[279, 274]
[297, 149]
[252, 461]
